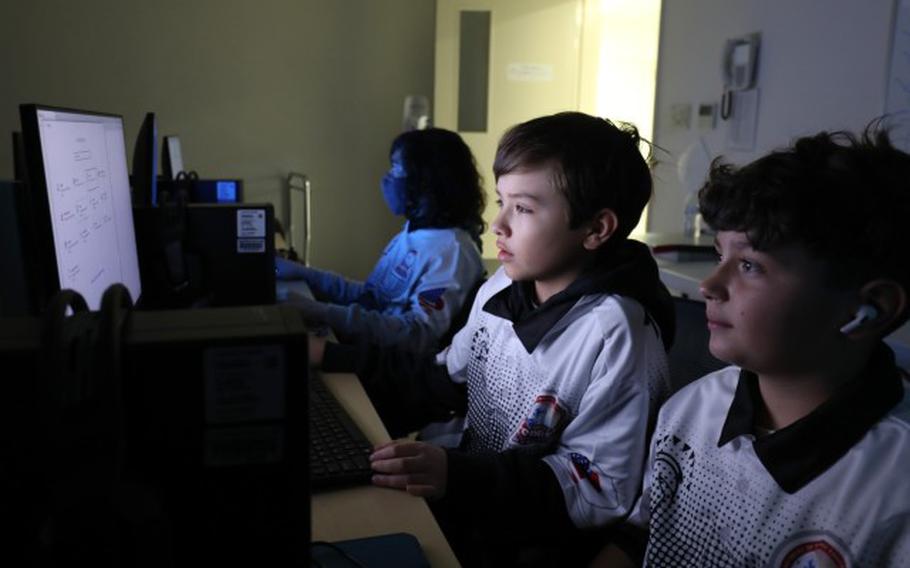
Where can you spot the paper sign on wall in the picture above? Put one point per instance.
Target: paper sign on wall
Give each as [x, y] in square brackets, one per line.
[530, 72]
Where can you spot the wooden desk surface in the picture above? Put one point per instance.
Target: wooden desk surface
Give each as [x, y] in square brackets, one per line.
[368, 510]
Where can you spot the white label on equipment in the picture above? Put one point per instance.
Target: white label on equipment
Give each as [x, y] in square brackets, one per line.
[250, 245]
[244, 384]
[251, 223]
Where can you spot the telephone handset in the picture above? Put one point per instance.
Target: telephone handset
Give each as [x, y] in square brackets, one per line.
[739, 65]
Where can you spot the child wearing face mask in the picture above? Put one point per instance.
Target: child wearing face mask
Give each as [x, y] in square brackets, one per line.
[428, 270]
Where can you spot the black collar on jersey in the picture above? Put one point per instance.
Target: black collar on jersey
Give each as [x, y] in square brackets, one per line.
[802, 451]
[628, 270]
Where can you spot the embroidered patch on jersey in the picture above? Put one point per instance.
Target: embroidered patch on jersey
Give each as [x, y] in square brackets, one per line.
[403, 270]
[542, 423]
[817, 549]
[583, 470]
[431, 300]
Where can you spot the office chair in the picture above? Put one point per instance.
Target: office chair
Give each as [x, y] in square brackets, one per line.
[297, 205]
[460, 318]
[689, 358]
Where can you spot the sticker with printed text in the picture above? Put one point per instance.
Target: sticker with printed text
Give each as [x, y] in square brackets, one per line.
[250, 246]
[244, 383]
[250, 223]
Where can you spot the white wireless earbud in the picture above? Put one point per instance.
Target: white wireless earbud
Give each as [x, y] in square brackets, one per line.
[865, 313]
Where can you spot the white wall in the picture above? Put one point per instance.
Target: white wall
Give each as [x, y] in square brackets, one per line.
[822, 66]
[254, 89]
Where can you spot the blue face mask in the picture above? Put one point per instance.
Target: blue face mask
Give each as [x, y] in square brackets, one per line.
[394, 191]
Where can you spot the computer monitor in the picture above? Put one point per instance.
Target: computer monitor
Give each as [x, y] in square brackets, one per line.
[217, 191]
[80, 194]
[172, 157]
[145, 163]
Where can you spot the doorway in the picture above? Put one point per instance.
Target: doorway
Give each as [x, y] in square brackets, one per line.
[542, 57]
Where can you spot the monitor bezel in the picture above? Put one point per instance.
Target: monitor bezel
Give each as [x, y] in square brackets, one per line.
[144, 171]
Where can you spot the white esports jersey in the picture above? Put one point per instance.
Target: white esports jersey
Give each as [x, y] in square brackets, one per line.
[583, 396]
[418, 285]
[713, 494]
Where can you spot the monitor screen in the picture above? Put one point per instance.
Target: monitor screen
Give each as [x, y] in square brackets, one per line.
[172, 157]
[217, 191]
[81, 195]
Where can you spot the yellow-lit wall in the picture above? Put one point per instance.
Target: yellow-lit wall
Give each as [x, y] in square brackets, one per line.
[597, 56]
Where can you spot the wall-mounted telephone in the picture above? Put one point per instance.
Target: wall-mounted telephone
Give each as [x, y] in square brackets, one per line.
[738, 67]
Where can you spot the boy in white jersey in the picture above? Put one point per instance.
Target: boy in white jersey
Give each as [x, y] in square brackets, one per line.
[562, 358]
[797, 455]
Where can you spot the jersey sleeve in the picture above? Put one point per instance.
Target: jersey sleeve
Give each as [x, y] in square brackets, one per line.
[437, 296]
[632, 536]
[600, 458]
[331, 287]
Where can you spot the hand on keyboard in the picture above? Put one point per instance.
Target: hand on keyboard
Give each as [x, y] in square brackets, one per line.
[339, 451]
[417, 467]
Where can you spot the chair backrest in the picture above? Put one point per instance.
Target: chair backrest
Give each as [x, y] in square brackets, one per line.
[689, 358]
[461, 317]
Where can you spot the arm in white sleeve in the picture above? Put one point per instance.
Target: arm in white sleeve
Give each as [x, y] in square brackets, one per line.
[601, 456]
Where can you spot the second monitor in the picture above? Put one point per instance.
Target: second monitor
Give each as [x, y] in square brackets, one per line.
[175, 177]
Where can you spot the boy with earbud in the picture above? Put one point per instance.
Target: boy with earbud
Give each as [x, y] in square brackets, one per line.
[798, 454]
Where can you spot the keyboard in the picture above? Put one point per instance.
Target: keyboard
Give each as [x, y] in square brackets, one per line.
[339, 451]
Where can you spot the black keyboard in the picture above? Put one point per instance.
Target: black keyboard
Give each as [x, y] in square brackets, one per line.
[339, 451]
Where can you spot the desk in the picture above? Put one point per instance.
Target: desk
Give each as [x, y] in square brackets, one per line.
[355, 512]
[367, 510]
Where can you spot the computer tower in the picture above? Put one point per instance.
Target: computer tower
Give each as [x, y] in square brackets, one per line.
[206, 255]
[216, 412]
[212, 411]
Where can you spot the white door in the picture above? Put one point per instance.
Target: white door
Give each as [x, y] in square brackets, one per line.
[547, 56]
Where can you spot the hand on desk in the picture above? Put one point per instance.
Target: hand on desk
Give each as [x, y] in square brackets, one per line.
[312, 311]
[416, 467]
[289, 270]
[316, 349]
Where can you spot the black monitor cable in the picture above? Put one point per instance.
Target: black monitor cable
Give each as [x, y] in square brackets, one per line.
[67, 434]
[81, 408]
[184, 182]
[115, 309]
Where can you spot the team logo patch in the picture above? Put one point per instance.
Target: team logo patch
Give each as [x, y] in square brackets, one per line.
[403, 270]
[542, 422]
[813, 550]
[583, 470]
[431, 300]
